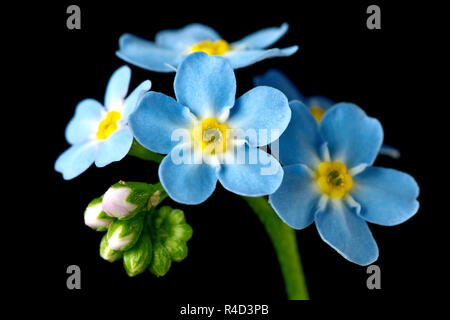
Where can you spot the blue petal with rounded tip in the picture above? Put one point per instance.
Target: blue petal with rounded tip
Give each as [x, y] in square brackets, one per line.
[76, 159]
[182, 39]
[347, 233]
[387, 197]
[319, 101]
[132, 101]
[84, 124]
[258, 175]
[300, 143]
[244, 58]
[263, 38]
[117, 87]
[155, 119]
[115, 147]
[145, 54]
[184, 182]
[265, 111]
[277, 79]
[205, 84]
[353, 138]
[296, 200]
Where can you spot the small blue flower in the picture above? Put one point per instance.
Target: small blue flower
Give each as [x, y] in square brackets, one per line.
[329, 179]
[172, 46]
[209, 136]
[317, 105]
[99, 133]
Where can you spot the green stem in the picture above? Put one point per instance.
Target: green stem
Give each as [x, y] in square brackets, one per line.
[282, 236]
[138, 151]
[285, 244]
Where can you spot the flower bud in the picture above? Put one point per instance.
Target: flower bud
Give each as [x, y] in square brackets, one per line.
[123, 234]
[137, 259]
[161, 260]
[95, 217]
[124, 200]
[107, 253]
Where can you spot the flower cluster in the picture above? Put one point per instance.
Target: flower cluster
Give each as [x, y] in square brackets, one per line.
[145, 237]
[319, 168]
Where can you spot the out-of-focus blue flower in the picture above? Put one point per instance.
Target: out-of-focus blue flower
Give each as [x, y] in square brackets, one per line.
[172, 46]
[100, 133]
[329, 179]
[317, 105]
[209, 136]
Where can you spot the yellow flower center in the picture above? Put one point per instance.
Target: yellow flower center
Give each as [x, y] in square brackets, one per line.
[211, 136]
[333, 179]
[215, 48]
[317, 112]
[108, 125]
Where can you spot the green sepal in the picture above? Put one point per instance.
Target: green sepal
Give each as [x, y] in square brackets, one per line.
[107, 253]
[137, 259]
[161, 260]
[125, 233]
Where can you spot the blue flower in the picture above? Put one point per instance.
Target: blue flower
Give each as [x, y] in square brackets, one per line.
[172, 46]
[209, 136]
[329, 179]
[100, 133]
[317, 105]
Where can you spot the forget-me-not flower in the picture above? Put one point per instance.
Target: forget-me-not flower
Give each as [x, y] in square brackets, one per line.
[206, 121]
[317, 105]
[329, 179]
[172, 46]
[100, 133]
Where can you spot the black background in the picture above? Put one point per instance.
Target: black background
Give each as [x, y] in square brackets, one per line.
[230, 256]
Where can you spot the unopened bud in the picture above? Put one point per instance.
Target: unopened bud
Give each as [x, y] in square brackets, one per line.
[107, 253]
[124, 200]
[123, 234]
[137, 259]
[95, 217]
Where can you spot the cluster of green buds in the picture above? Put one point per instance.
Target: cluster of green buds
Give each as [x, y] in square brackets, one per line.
[144, 235]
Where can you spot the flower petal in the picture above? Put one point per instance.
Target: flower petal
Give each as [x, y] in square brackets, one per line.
[132, 101]
[258, 174]
[387, 196]
[117, 87]
[182, 39]
[187, 183]
[319, 101]
[353, 137]
[243, 58]
[155, 120]
[205, 84]
[265, 111]
[145, 54]
[115, 147]
[296, 200]
[76, 159]
[347, 233]
[263, 38]
[277, 79]
[300, 143]
[84, 124]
